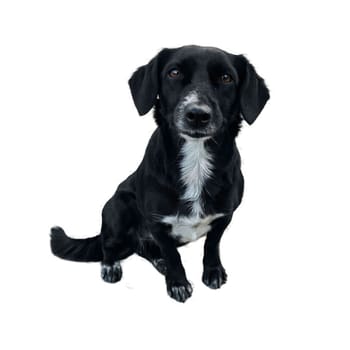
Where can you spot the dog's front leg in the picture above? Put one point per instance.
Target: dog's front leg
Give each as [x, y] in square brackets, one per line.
[214, 274]
[178, 286]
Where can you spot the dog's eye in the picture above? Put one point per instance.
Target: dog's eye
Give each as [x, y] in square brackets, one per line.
[174, 73]
[226, 78]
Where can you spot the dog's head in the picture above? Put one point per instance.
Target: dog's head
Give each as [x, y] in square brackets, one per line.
[199, 90]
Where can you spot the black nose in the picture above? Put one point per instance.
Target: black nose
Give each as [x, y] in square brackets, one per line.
[197, 117]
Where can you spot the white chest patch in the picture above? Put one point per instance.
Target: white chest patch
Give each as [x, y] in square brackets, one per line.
[188, 229]
[195, 168]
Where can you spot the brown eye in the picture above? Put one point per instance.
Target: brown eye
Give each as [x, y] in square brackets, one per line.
[174, 73]
[226, 78]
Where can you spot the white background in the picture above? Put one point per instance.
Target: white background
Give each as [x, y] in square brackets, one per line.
[69, 134]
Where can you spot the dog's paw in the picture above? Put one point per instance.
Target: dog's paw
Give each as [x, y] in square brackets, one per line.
[180, 291]
[111, 273]
[214, 277]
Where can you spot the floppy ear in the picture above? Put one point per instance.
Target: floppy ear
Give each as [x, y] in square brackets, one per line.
[144, 84]
[253, 91]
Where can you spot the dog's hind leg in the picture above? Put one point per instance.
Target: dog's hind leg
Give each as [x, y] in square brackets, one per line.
[113, 253]
[119, 218]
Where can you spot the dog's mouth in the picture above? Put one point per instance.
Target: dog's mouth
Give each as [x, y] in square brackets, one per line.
[208, 131]
[195, 134]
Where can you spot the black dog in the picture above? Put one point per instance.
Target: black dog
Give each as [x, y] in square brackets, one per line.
[189, 182]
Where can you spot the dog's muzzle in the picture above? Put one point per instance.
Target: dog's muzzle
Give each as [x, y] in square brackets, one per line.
[194, 116]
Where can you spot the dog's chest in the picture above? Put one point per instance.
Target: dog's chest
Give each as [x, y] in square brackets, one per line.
[196, 167]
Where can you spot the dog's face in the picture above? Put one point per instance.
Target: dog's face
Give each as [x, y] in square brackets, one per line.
[198, 88]
[201, 90]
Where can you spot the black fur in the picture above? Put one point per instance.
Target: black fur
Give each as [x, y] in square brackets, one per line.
[230, 86]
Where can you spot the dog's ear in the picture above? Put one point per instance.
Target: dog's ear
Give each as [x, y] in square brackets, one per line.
[253, 93]
[144, 83]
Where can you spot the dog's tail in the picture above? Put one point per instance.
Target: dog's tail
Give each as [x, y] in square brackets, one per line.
[85, 250]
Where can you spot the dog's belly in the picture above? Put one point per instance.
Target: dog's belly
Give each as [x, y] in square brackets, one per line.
[187, 229]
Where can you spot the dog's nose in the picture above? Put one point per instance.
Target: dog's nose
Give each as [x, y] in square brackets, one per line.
[197, 116]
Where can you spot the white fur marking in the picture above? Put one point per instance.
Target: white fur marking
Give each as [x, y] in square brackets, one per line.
[195, 168]
[192, 97]
[115, 266]
[188, 229]
[204, 107]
